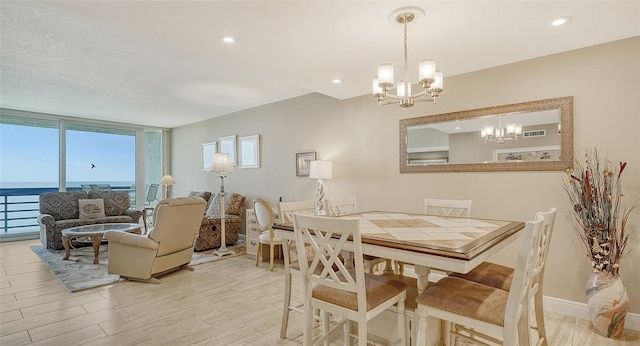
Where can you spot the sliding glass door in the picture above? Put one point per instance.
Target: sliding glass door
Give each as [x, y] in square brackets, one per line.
[43, 153]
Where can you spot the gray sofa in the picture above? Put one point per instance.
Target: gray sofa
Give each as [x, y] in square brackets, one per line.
[59, 210]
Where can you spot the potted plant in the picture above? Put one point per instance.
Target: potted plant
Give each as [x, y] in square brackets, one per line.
[594, 188]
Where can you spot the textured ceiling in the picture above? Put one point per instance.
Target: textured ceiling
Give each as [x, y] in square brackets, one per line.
[161, 63]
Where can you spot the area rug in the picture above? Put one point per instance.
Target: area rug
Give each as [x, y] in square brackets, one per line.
[79, 273]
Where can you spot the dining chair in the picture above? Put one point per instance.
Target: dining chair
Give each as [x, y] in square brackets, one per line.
[342, 207]
[349, 206]
[499, 276]
[483, 314]
[291, 263]
[265, 220]
[448, 207]
[442, 207]
[352, 294]
[287, 209]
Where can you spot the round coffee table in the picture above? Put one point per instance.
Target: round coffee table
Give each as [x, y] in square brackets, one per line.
[95, 233]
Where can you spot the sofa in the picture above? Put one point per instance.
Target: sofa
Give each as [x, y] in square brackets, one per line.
[210, 228]
[61, 210]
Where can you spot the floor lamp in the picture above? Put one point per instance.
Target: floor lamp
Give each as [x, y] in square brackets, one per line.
[221, 164]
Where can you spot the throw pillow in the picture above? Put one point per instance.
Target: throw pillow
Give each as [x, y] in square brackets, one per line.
[91, 208]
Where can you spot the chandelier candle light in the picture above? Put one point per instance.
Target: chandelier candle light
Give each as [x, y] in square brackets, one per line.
[221, 164]
[501, 134]
[430, 79]
[320, 170]
[166, 181]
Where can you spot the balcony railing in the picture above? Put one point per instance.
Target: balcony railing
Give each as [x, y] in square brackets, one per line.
[20, 207]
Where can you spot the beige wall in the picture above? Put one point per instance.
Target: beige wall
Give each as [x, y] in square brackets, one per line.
[362, 141]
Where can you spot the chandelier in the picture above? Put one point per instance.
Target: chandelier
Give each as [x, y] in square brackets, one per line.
[430, 79]
[500, 134]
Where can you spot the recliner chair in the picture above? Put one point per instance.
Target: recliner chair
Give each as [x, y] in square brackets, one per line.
[168, 247]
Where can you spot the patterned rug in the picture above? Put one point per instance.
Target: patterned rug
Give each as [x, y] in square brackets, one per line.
[79, 273]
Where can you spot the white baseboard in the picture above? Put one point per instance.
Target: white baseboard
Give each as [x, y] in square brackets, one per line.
[580, 310]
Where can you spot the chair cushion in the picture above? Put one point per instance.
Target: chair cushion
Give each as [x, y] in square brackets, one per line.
[264, 238]
[490, 274]
[379, 290]
[466, 298]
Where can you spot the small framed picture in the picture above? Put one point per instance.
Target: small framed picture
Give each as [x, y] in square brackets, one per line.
[250, 151]
[303, 163]
[208, 154]
[228, 145]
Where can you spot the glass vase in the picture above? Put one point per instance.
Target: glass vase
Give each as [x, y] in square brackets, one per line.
[608, 302]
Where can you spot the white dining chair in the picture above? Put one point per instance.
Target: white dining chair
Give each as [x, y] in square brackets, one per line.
[482, 314]
[329, 286]
[448, 207]
[342, 207]
[291, 263]
[265, 220]
[499, 276]
[442, 207]
[348, 206]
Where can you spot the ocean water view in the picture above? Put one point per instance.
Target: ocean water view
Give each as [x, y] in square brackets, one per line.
[19, 201]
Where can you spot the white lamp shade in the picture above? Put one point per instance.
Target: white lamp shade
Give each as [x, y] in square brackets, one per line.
[167, 180]
[439, 82]
[221, 164]
[376, 88]
[401, 89]
[320, 169]
[427, 70]
[385, 73]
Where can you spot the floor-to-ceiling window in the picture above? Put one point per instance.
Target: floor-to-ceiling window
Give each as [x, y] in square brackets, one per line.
[42, 153]
[29, 165]
[100, 158]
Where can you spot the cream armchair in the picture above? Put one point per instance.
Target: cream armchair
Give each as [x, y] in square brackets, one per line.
[168, 246]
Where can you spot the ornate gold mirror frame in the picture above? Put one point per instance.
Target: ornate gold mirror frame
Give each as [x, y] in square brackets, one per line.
[565, 128]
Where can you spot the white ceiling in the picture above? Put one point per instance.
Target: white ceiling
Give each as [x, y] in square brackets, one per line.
[160, 63]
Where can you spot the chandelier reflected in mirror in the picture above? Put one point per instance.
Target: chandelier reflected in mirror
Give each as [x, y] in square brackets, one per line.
[430, 79]
[501, 134]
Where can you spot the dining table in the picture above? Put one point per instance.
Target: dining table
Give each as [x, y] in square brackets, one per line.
[446, 243]
[450, 244]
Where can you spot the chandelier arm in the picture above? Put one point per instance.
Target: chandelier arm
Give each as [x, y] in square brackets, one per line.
[425, 100]
[395, 97]
[388, 102]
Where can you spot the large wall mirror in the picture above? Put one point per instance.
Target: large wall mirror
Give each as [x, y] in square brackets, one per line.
[528, 136]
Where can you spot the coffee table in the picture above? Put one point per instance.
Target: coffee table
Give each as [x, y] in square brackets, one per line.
[95, 233]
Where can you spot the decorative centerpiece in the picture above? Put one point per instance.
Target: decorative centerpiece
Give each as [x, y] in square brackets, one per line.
[594, 188]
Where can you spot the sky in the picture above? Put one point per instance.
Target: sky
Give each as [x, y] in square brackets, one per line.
[30, 154]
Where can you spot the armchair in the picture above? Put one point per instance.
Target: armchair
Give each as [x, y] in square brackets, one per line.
[168, 246]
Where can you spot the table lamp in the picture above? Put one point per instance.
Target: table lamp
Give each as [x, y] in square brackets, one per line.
[320, 170]
[221, 164]
[166, 181]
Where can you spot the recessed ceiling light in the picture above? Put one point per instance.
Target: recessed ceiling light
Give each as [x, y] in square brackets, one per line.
[337, 81]
[561, 20]
[227, 39]
[458, 127]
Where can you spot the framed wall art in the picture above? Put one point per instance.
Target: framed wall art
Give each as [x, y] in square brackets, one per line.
[303, 163]
[228, 145]
[250, 151]
[208, 154]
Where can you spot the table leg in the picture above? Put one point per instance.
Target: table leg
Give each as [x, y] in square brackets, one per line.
[66, 242]
[95, 240]
[422, 274]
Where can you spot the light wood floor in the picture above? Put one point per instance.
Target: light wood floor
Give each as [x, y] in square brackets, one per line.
[220, 303]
